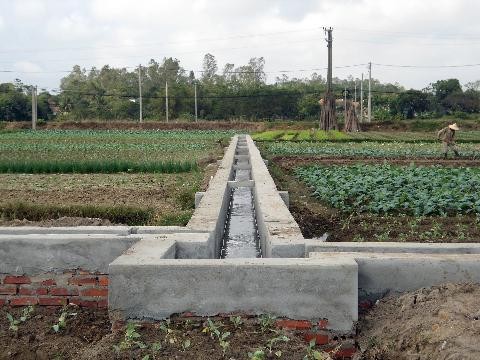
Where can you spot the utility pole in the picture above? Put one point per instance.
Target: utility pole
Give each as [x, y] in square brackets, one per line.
[34, 107]
[361, 100]
[355, 98]
[166, 99]
[140, 91]
[345, 105]
[196, 104]
[329, 73]
[369, 92]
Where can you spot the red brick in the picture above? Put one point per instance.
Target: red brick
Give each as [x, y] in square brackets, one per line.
[23, 301]
[320, 339]
[52, 301]
[49, 282]
[8, 290]
[103, 280]
[3, 302]
[94, 292]
[364, 305]
[322, 324]
[16, 280]
[84, 303]
[347, 353]
[82, 280]
[103, 304]
[294, 324]
[23, 290]
[63, 292]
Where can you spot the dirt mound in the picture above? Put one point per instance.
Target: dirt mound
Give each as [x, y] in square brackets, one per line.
[63, 221]
[441, 322]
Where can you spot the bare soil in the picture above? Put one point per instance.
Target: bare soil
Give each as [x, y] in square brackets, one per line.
[289, 162]
[63, 221]
[315, 218]
[441, 322]
[88, 335]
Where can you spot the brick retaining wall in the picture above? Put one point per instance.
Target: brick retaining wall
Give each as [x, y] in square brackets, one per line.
[77, 287]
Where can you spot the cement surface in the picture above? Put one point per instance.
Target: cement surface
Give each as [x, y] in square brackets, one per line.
[393, 247]
[295, 288]
[36, 254]
[382, 273]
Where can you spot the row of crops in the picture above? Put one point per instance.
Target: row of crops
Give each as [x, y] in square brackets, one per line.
[314, 135]
[367, 149]
[387, 189]
[92, 151]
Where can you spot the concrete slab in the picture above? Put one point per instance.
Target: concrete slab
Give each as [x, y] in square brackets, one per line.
[381, 273]
[295, 288]
[36, 254]
[25, 230]
[393, 247]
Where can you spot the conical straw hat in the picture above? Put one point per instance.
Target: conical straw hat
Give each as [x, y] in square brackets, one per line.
[454, 127]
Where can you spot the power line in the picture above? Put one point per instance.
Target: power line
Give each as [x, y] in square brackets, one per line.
[428, 66]
[160, 43]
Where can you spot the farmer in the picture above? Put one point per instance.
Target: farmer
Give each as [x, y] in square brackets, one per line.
[447, 135]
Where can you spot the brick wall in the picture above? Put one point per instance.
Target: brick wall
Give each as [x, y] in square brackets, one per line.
[77, 287]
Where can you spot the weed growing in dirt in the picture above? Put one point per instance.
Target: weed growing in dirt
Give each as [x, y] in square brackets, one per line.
[215, 332]
[313, 354]
[257, 355]
[273, 341]
[62, 320]
[266, 321]
[130, 339]
[236, 321]
[26, 313]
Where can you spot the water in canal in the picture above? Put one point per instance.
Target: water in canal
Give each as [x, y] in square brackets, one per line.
[241, 236]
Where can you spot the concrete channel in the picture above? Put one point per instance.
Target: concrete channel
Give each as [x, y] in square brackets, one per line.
[241, 251]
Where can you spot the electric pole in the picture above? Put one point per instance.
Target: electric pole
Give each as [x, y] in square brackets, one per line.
[361, 100]
[140, 91]
[345, 104]
[34, 107]
[166, 99]
[329, 73]
[196, 105]
[369, 92]
[355, 98]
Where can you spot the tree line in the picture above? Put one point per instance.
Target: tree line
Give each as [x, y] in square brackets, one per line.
[233, 92]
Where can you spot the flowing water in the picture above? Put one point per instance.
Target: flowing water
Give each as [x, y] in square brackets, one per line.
[241, 236]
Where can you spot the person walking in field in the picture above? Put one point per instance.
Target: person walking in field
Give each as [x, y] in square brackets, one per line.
[447, 135]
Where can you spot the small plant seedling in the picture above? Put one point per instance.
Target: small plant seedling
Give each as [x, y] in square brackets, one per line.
[271, 343]
[26, 312]
[62, 320]
[266, 321]
[212, 329]
[313, 354]
[186, 344]
[224, 344]
[236, 321]
[257, 355]
[130, 338]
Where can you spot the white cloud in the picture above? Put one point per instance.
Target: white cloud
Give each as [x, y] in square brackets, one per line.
[27, 66]
[125, 33]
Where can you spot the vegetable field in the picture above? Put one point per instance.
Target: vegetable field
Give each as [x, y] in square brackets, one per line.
[132, 177]
[367, 149]
[387, 189]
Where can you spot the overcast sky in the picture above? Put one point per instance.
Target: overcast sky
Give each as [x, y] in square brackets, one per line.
[41, 38]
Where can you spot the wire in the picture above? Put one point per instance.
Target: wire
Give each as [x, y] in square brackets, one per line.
[161, 43]
[427, 66]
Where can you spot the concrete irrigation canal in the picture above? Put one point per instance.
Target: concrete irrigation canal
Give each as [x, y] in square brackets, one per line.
[241, 251]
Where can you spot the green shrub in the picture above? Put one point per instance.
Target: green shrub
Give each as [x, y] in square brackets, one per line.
[116, 214]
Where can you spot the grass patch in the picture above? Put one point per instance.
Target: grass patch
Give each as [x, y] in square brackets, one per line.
[116, 214]
[91, 167]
